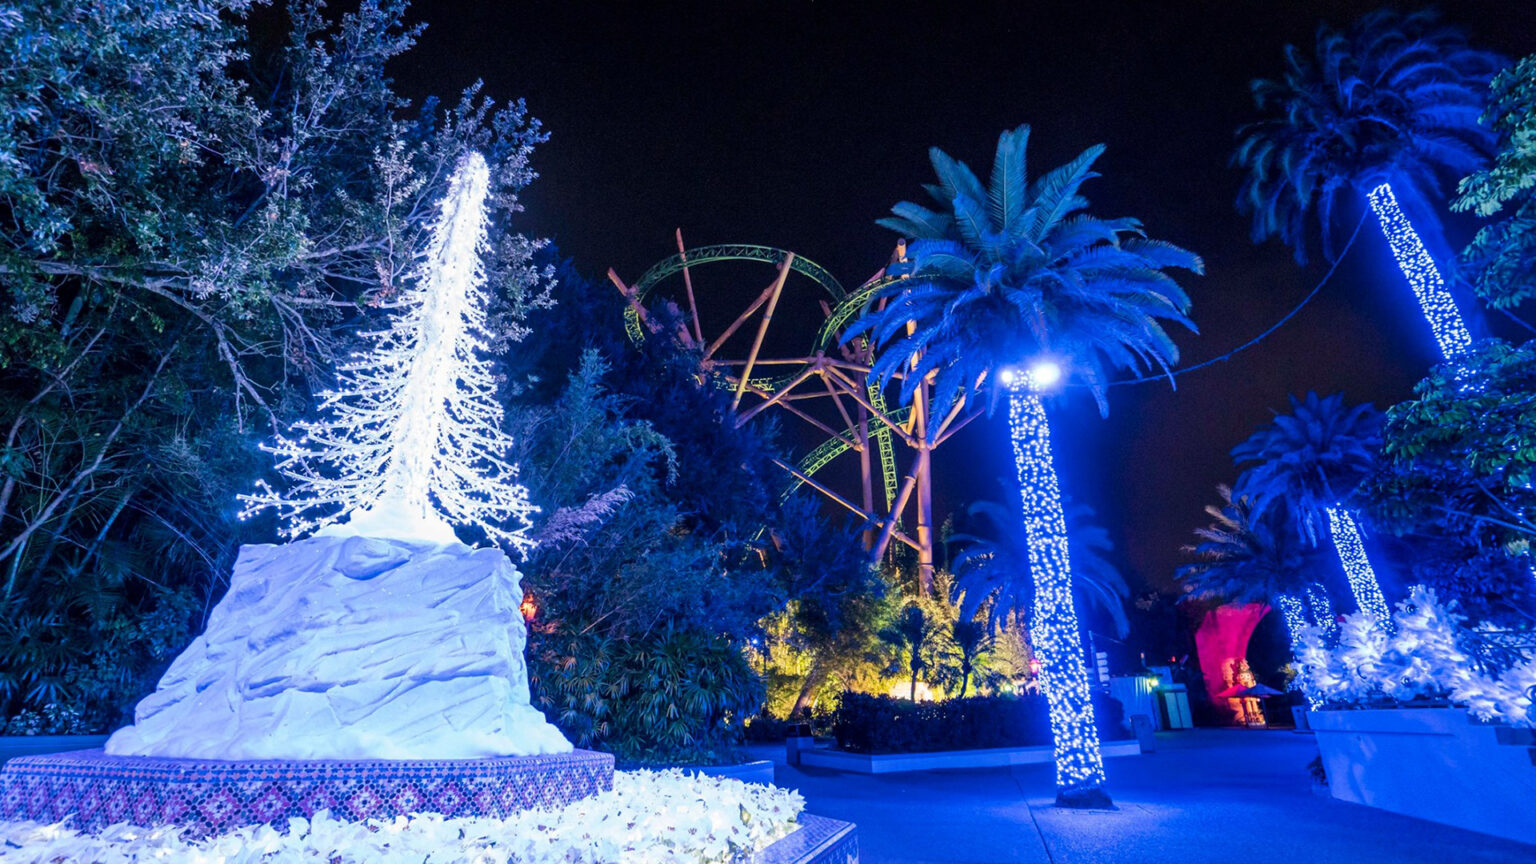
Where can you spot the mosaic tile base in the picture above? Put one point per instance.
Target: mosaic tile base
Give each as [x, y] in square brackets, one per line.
[210, 796]
[819, 841]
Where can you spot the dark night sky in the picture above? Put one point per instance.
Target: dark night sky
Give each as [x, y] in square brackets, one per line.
[797, 124]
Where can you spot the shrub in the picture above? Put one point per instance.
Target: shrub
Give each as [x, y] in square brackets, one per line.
[673, 696]
[881, 724]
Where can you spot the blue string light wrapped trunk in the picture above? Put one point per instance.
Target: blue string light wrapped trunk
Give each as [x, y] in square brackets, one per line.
[1054, 632]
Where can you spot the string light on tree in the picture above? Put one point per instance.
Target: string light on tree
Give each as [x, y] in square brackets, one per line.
[1292, 612]
[1054, 632]
[1437, 304]
[410, 442]
[1321, 606]
[1357, 567]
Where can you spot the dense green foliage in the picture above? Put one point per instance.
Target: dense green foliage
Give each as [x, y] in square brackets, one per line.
[880, 724]
[1393, 99]
[1501, 261]
[1459, 458]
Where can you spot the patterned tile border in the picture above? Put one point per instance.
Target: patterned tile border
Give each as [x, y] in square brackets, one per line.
[819, 841]
[210, 796]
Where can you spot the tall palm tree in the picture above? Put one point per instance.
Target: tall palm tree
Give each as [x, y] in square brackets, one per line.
[1005, 275]
[994, 565]
[1386, 109]
[1252, 556]
[1308, 462]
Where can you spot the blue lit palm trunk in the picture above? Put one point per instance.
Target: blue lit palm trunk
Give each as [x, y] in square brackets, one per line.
[1053, 628]
[1292, 611]
[1357, 566]
[1437, 304]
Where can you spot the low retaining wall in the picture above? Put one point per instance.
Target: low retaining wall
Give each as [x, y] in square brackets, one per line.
[893, 763]
[1433, 763]
[211, 797]
[758, 771]
[819, 841]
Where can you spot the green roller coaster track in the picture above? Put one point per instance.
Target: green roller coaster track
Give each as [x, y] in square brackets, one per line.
[846, 308]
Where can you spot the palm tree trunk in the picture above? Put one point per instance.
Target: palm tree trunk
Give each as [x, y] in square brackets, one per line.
[1437, 304]
[1053, 625]
[1357, 566]
[1294, 613]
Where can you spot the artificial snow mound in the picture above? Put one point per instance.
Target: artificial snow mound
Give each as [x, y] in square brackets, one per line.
[352, 648]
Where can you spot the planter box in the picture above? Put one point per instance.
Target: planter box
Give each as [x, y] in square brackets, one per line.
[893, 763]
[12, 746]
[1432, 763]
[759, 771]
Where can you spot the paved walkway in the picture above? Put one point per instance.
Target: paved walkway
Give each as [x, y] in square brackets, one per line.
[1218, 796]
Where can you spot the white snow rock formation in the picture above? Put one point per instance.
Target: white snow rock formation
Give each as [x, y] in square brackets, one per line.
[352, 648]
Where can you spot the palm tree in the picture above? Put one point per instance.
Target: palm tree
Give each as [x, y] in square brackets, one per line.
[969, 643]
[1308, 462]
[1389, 107]
[911, 638]
[994, 566]
[1015, 273]
[1252, 556]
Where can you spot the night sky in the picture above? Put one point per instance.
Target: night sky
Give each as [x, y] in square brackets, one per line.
[797, 124]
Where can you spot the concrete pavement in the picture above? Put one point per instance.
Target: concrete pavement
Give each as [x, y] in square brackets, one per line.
[1217, 796]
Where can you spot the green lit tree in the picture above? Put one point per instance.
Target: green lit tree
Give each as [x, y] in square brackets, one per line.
[1501, 261]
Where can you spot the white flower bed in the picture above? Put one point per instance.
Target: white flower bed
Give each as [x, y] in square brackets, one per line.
[1420, 658]
[648, 818]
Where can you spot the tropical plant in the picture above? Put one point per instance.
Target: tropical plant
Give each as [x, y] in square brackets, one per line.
[1308, 463]
[963, 654]
[1006, 275]
[910, 644]
[1501, 261]
[993, 568]
[1249, 556]
[1459, 458]
[1383, 110]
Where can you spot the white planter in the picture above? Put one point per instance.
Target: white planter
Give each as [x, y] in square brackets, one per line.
[1432, 763]
[895, 763]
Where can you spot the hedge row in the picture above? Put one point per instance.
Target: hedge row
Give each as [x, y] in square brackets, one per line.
[881, 724]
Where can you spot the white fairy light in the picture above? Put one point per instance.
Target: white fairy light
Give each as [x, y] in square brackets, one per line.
[410, 442]
[1054, 632]
[1437, 304]
[1295, 620]
[1357, 566]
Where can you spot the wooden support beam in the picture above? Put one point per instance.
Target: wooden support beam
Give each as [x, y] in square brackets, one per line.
[776, 397]
[634, 300]
[852, 390]
[869, 518]
[740, 320]
[693, 308]
[890, 522]
[762, 328]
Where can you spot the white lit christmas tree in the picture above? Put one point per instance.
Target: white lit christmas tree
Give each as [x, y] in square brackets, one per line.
[410, 442]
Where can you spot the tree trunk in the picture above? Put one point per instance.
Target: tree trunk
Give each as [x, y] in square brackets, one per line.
[1435, 301]
[813, 682]
[1054, 632]
[1357, 565]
